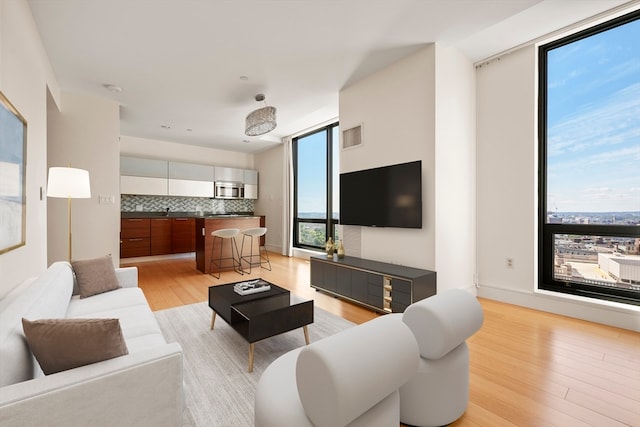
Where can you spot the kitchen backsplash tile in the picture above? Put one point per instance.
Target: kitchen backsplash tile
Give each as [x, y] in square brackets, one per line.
[132, 203]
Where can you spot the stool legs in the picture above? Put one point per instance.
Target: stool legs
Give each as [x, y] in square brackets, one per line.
[263, 255]
[235, 256]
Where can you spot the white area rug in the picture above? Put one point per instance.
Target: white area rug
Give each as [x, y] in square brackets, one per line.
[218, 389]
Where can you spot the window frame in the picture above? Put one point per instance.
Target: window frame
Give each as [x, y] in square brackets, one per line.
[547, 231]
[329, 222]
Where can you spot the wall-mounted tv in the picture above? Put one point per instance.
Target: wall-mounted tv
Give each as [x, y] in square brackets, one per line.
[388, 196]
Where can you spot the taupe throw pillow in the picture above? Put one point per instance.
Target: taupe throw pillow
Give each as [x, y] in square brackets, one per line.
[95, 276]
[61, 344]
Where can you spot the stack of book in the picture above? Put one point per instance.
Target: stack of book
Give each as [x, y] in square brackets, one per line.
[251, 287]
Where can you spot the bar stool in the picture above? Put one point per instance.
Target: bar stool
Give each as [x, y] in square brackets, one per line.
[262, 255]
[225, 234]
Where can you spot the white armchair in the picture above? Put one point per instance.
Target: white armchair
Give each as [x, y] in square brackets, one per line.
[348, 379]
[438, 393]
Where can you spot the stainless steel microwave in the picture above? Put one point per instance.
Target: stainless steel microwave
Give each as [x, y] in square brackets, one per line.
[229, 190]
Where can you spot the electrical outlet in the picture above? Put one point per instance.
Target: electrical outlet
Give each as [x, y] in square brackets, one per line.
[509, 262]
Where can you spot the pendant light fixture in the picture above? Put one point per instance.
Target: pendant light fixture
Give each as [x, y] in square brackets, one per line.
[262, 120]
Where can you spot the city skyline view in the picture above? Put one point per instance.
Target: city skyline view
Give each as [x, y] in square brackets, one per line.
[593, 123]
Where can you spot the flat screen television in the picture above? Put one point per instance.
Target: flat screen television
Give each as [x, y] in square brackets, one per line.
[388, 196]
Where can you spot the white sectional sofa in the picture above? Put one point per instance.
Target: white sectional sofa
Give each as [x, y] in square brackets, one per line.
[410, 368]
[141, 388]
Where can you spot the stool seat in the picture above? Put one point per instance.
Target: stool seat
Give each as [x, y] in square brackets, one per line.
[262, 255]
[256, 232]
[225, 234]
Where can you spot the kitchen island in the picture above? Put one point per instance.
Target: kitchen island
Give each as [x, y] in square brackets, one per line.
[204, 241]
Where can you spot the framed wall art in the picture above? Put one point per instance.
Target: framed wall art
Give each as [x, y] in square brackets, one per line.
[13, 162]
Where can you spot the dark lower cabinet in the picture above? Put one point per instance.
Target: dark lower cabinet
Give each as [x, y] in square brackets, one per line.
[380, 286]
[183, 235]
[160, 236]
[156, 236]
[135, 237]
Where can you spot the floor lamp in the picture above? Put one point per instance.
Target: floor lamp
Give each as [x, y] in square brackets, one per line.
[69, 183]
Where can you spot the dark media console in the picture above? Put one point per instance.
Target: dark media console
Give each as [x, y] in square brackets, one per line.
[386, 288]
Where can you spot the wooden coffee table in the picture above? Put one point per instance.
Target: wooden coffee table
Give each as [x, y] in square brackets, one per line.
[260, 315]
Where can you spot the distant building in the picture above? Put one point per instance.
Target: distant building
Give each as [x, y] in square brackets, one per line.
[623, 268]
[554, 219]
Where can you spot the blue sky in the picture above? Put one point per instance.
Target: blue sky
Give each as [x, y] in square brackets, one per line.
[594, 123]
[312, 172]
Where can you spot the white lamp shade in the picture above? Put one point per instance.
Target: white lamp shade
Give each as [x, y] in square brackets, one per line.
[69, 183]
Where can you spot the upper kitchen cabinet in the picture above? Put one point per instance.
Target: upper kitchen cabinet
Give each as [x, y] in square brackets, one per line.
[250, 184]
[223, 174]
[188, 179]
[143, 176]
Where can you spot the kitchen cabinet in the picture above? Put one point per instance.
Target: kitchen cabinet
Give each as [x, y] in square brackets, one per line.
[143, 176]
[226, 174]
[156, 236]
[383, 287]
[250, 184]
[168, 178]
[135, 237]
[192, 180]
[183, 235]
[160, 236]
[250, 177]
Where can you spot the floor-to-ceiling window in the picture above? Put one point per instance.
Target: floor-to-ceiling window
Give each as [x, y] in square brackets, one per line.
[589, 133]
[316, 187]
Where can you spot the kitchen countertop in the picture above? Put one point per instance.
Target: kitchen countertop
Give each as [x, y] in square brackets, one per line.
[187, 215]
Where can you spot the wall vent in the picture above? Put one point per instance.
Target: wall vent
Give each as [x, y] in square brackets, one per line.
[352, 137]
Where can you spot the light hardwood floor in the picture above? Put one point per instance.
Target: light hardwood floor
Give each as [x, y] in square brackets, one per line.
[528, 368]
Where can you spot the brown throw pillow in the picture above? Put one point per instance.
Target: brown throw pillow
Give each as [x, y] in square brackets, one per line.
[95, 276]
[61, 344]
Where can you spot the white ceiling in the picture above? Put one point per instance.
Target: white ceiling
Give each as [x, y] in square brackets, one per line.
[179, 62]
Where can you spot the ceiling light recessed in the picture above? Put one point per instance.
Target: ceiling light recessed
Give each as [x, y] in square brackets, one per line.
[112, 88]
[244, 78]
[165, 126]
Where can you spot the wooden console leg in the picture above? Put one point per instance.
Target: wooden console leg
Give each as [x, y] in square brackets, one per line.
[306, 334]
[251, 348]
[213, 319]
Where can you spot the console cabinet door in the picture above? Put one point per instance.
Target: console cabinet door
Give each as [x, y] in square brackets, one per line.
[323, 275]
[374, 290]
[400, 295]
[329, 277]
[359, 285]
[343, 281]
[316, 273]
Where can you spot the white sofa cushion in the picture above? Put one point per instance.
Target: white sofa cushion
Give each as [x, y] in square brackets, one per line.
[335, 379]
[139, 325]
[436, 330]
[46, 297]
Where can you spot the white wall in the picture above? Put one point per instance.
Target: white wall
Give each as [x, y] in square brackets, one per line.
[152, 148]
[85, 134]
[455, 170]
[25, 74]
[420, 108]
[395, 107]
[507, 195]
[270, 165]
